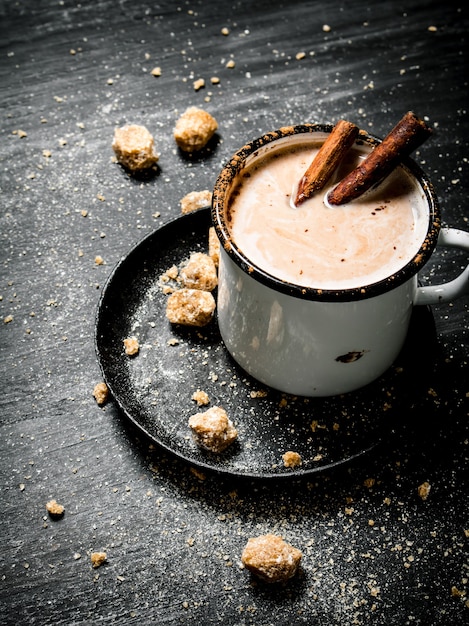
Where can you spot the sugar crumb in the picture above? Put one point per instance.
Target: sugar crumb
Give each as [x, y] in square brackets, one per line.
[98, 558]
[195, 200]
[199, 84]
[291, 459]
[55, 509]
[131, 346]
[423, 490]
[201, 397]
[101, 393]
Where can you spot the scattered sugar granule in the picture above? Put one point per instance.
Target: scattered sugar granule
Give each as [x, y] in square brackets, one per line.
[131, 346]
[101, 393]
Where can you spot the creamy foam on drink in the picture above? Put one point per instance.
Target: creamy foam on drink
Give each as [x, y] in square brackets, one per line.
[340, 247]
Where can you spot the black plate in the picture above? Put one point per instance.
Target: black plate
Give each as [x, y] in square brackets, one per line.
[154, 388]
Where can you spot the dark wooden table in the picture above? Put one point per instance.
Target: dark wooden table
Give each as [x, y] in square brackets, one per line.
[374, 551]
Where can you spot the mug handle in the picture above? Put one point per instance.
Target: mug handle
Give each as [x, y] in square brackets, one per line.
[435, 294]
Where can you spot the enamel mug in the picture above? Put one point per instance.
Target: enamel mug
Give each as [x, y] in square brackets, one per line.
[312, 341]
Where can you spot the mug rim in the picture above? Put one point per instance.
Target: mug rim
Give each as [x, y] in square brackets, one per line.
[411, 268]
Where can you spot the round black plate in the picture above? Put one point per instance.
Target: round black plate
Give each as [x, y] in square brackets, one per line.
[154, 389]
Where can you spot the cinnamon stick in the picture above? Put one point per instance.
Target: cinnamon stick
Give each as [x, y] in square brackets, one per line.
[409, 133]
[326, 160]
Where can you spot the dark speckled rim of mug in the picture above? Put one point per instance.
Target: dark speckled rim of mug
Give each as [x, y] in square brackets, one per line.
[236, 164]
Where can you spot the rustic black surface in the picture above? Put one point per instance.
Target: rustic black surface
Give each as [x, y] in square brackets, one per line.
[374, 551]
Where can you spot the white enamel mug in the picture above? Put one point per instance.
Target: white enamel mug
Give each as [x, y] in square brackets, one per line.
[319, 342]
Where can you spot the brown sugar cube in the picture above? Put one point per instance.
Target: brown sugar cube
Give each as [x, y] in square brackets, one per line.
[213, 246]
[270, 558]
[213, 430]
[195, 200]
[101, 393]
[291, 459]
[190, 307]
[55, 509]
[134, 147]
[131, 346]
[194, 129]
[199, 272]
[98, 558]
